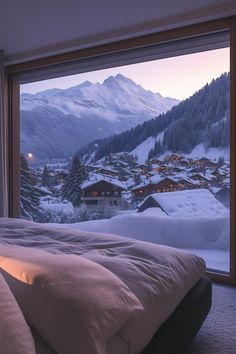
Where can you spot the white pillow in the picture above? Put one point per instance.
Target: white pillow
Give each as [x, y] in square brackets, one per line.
[15, 335]
[76, 305]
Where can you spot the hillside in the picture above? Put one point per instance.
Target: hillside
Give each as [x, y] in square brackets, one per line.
[202, 119]
[56, 123]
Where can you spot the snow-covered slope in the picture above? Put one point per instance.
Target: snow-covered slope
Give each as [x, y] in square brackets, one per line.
[75, 116]
[142, 150]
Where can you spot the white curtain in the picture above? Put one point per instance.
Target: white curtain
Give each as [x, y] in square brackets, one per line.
[3, 145]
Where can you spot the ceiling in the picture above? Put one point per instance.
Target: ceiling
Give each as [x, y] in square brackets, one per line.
[32, 29]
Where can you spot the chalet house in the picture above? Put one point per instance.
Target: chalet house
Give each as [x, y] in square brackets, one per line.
[184, 183]
[163, 185]
[173, 158]
[176, 169]
[142, 167]
[102, 193]
[155, 161]
[166, 185]
[204, 162]
[142, 190]
[163, 168]
[107, 172]
[184, 163]
[202, 179]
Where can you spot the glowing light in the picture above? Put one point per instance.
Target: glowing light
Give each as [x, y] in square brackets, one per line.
[30, 155]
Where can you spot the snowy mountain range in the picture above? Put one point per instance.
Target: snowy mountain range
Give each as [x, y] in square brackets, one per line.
[197, 125]
[58, 122]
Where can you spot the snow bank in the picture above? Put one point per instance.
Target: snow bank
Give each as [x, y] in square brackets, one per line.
[154, 226]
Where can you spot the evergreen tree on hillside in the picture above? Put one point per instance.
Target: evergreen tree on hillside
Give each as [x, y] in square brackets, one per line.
[204, 119]
[46, 180]
[137, 178]
[155, 151]
[72, 187]
[29, 196]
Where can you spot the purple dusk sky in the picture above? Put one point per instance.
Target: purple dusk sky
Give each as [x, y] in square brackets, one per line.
[177, 77]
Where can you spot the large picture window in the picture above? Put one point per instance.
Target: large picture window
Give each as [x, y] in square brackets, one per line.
[135, 143]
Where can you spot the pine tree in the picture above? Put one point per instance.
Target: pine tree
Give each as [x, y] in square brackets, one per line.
[46, 178]
[137, 178]
[29, 196]
[72, 187]
[150, 155]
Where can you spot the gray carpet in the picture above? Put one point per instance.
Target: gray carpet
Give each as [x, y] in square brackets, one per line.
[218, 333]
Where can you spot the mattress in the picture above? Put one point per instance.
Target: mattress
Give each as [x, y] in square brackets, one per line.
[159, 276]
[177, 333]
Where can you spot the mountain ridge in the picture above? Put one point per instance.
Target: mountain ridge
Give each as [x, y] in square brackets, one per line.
[84, 112]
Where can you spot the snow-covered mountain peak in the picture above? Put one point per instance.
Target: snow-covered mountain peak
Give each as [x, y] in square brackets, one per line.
[125, 80]
[96, 109]
[85, 84]
[116, 95]
[111, 82]
[120, 81]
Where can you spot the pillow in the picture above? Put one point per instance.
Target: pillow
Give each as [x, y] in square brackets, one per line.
[75, 304]
[15, 335]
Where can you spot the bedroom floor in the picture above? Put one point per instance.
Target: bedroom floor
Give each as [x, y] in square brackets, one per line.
[217, 335]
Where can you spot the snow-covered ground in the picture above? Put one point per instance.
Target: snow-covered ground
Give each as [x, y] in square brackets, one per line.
[205, 236]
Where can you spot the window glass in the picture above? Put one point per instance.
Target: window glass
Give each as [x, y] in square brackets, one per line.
[155, 135]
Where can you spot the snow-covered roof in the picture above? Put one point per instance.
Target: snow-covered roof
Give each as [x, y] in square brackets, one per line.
[99, 179]
[207, 176]
[142, 184]
[189, 203]
[156, 178]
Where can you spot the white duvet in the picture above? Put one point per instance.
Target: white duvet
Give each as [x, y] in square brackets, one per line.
[157, 277]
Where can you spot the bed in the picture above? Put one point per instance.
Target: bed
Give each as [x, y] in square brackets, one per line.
[155, 297]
